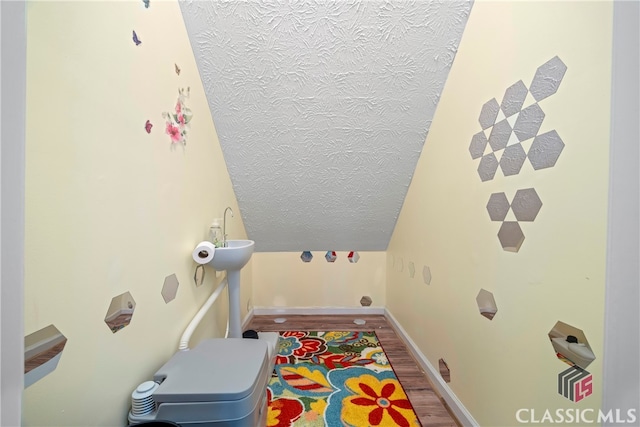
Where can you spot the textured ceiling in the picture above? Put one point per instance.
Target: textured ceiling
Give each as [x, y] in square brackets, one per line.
[322, 109]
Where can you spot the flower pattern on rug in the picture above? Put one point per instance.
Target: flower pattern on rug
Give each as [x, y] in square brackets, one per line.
[366, 398]
[379, 359]
[298, 345]
[282, 412]
[177, 122]
[340, 378]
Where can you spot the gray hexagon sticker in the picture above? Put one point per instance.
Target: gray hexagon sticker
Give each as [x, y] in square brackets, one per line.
[478, 145]
[498, 206]
[526, 204]
[426, 275]
[547, 79]
[488, 167]
[513, 99]
[510, 236]
[512, 159]
[488, 114]
[528, 122]
[169, 288]
[545, 150]
[500, 135]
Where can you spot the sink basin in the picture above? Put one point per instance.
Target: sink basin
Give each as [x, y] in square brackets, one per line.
[234, 256]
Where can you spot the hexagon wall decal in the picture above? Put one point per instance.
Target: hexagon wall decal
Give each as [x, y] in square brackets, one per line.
[570, 345]
[510, 236]
[513, 99]
[198, 276]
[426, 275]
[512, 159]
[500, 135]
[478, 145]
[42, 352]
[547, 78]
[366, 301]
[353, 257]
[445, 373]
[306, 256]
[120, 312]
[412, 269]
[545, 150]
[526, 204]
[486, 304]
[330, 256]
[170, 288]
[528, 122]
[498, 206]
[488, 167]
[488, 113]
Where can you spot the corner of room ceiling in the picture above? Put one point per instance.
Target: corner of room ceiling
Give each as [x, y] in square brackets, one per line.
[322, 109]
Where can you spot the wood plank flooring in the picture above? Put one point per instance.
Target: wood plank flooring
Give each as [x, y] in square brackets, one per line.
[430, 408]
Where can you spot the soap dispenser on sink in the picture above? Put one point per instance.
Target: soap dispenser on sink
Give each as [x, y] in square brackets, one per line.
[215, 232]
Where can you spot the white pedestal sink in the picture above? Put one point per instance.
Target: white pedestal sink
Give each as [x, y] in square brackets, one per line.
[232, 258]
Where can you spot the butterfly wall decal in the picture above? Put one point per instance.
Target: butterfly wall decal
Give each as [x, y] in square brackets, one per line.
[146, 3]
[136, 40]
[177, 69]
[148, 126]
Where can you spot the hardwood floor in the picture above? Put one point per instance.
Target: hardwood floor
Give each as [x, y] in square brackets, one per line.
[429, 407]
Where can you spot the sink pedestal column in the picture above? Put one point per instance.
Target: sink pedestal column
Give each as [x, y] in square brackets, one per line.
[235, 321]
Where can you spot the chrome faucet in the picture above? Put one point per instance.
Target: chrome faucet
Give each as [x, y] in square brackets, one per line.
[224, 226]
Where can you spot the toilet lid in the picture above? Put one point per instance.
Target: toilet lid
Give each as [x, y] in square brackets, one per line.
[222, 369]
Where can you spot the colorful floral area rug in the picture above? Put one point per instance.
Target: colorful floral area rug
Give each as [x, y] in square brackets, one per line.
[335, 379]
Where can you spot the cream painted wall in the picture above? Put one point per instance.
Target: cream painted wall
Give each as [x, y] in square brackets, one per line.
[110, 208]
[500, 366]
[281, 279]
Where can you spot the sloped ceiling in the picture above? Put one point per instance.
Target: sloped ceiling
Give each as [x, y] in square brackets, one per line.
[322, 109]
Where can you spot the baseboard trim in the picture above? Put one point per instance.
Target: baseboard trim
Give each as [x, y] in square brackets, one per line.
[316, 311]
[462, 414]
[247, 319]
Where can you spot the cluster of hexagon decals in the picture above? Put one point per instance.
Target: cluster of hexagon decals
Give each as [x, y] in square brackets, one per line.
[331, 256]
[507, 128]
[525, 206]
[509, 136]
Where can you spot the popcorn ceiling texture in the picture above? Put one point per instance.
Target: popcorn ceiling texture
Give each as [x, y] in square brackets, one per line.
[322, 109]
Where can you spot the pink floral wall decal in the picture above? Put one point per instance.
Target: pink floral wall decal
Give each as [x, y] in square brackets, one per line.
[177, 122]
[148, 126]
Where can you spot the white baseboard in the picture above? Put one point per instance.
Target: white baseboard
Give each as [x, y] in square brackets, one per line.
[247, 319]
[317, 311]
[462, 414]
